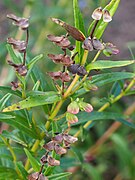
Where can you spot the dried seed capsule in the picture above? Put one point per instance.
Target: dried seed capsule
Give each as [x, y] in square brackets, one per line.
[55, 75]
[36, 175]
[58, 138]
[70, 139]
[65, 77]
[60, 150]
[75, 33]
[81, 71]
[73, 68]
[23, 23]
[97, 14]
[43, 159]
[87, 44]
[52, 162]
[97, 45]
[17, 44]
[49, 146]
[106, 16]
[61, 41]
[14, 85]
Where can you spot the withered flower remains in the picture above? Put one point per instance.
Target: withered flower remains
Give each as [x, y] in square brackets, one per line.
[23, 23]
[17, 44]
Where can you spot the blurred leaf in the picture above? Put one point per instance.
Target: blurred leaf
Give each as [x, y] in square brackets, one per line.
[125, 154]
[13, 137]
[14, 57]
[38, 99]
[7, 173]
[34, 163]
[105, 78]
[94, 116]
[92, 172]
[7, 89]
[78, 154]
[79, 24]
[59, 176]
[4, 100]
[101, 64]
[36, 86]
[21, 169]
[34, 60]
[6, 116]
[19, 123]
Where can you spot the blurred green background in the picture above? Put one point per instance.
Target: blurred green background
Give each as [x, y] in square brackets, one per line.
[115, 159]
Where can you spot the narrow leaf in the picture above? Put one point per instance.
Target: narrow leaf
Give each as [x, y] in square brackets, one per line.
[94, 116]
[35, 100]
[7, 173]
[101, 64]
[59, 176]
[34, 163]
[7, 89]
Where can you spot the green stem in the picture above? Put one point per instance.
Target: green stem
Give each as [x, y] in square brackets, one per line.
[123, 93]
[95, 58]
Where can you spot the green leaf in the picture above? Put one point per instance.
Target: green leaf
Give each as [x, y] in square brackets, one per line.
[92, 172]
[7, 173]
[36, 99]
[111, 7]
[34, 163]
[14, 57]
[79, 24]
[101, 64]
[21, 169]
[19, 123]
[6, 116]
[4, 100]
[13, 137]
[105, 78]
[94, 116]
[59, 176]
[7, 89]
[34, 60]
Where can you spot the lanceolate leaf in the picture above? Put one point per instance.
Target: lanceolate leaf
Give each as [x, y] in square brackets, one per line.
[35, 100]
[34, 163]
[59, 176]
[79, 24]
[7, 173]
[94, 116]
[19, 123]
[101, 64]
[105, 78]
[7, 89]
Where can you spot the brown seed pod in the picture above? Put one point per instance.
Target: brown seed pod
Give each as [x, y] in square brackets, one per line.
[72, 31]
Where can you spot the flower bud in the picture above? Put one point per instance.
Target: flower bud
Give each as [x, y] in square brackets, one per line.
[23, 23]
[73, 107]
[52, 162]
[97, 14]
[73, 68]
[55, 75]
[85, 106]
[106, 16]
[110, 49]
[81, 71]
[65, 77]
[71, 118]
[88, 86]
